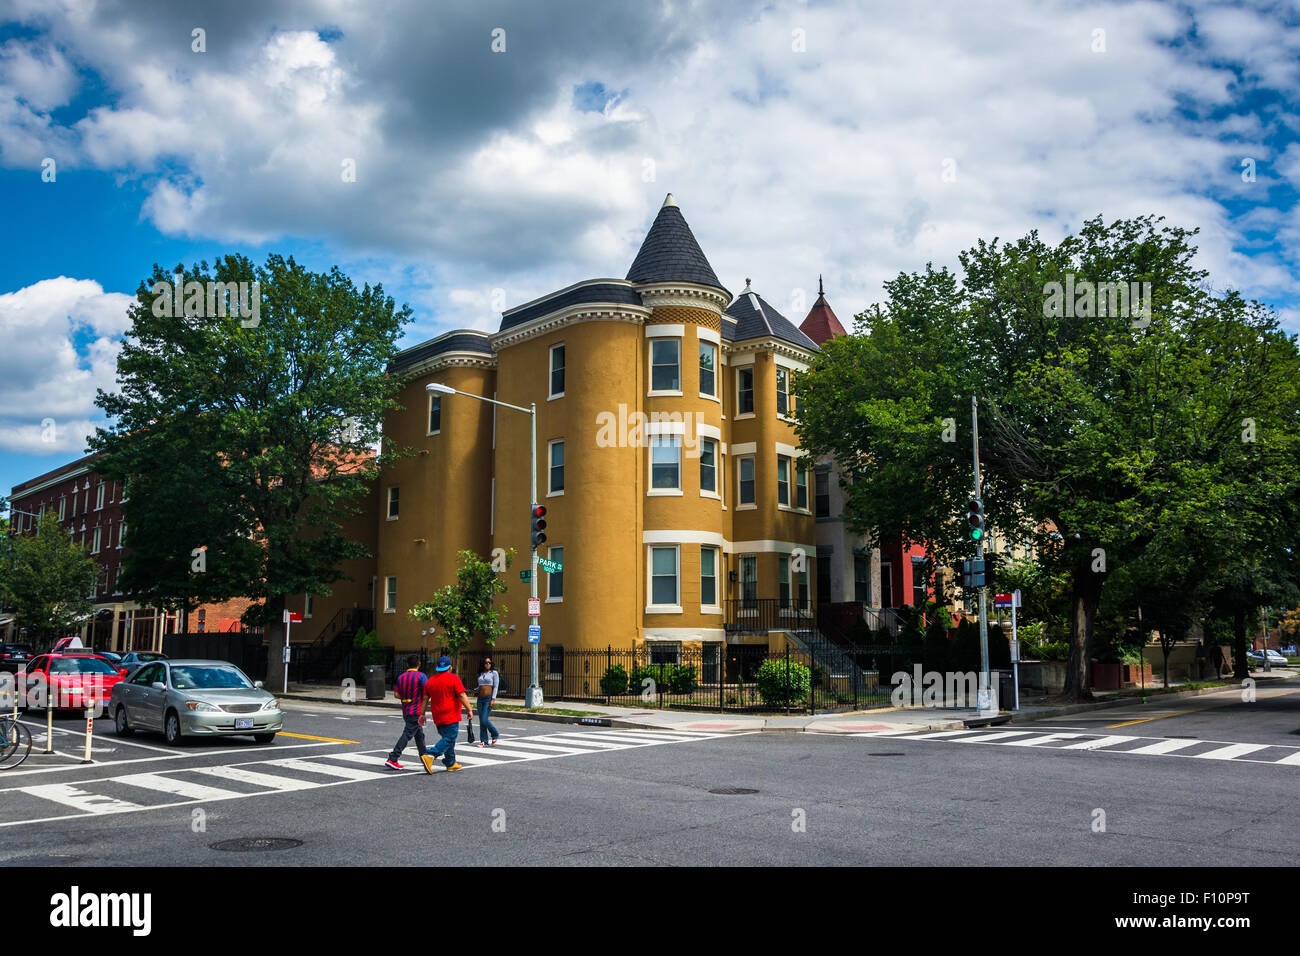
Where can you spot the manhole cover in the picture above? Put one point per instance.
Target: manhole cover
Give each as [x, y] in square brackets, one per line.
[887, 753]
[257, 844]
[732, 791]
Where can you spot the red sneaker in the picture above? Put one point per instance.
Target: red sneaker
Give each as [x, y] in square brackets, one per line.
[393, 764]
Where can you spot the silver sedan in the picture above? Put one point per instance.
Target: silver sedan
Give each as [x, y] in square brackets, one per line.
[194, 698]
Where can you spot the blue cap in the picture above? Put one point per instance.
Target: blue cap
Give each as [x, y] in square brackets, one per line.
[444, 664]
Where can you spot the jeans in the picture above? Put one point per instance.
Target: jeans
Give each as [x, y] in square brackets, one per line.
[446, 746]
[412, 729]
[484, 719]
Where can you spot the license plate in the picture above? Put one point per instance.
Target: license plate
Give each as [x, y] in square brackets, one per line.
[243, 723]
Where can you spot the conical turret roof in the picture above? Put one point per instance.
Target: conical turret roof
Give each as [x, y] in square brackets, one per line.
[821, 323]
[670, 252]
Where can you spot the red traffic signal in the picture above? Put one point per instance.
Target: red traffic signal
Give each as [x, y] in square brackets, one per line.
[537, 519]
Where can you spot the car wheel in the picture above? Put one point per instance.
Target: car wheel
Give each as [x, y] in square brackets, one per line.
[172, 729]
[119, 720]
[264, 738]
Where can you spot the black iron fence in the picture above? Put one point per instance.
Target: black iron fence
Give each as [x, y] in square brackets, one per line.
[724, 677]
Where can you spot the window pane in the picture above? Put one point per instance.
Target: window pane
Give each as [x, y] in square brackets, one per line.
[708, 577]
[665, 461]
[747, 481]
[663, 587]
[707, 371]
[783, 480]
[801, 487]
[745, 377]
[664, 560]
[557, 370]
[749, 579]
[782, 391]
[666, 362]
[708, 465]
[557, 466]
[555, 581]
[823, 491]
[435, 413]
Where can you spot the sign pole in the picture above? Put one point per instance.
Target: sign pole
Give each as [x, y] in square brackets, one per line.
[985, 689]
[286, 651]
[533, 696]
[1015, 647]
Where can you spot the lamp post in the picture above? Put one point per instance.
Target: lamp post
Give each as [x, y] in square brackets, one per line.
[533, 695]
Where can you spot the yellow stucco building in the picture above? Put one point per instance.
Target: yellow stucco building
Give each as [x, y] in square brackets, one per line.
[678, 501]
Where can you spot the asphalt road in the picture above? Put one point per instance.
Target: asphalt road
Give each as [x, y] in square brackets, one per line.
[1214, 785]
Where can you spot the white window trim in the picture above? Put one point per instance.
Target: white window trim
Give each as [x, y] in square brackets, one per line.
[789, 484]
[717, 468]
[388, 503]
[740, 416]
[99, 497]
[741, 504]
[428, 413]
[95, 542]
[550, 553]
[650, 576]
[387, 609]
[718, 565]
[121, 532]
[715, 395]
[306, 607]
[549, 445]
[650, 358]
[550, 370]
[651, 490]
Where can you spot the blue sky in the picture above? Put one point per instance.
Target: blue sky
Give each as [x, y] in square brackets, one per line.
[799, 138]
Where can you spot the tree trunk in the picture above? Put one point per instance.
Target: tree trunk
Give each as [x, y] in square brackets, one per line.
[1241, 668]
[1085, 596]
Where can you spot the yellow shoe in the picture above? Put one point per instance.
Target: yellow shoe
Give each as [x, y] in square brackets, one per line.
[455, 766]
[428, 763]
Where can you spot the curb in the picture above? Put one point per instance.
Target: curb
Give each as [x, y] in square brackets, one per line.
[1118, 702]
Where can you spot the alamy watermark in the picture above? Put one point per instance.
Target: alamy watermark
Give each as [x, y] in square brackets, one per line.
[942, 689]
[1086, 300]
[636, 429]
[198, 300]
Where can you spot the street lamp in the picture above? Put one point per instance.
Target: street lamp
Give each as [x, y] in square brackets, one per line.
[533, 695]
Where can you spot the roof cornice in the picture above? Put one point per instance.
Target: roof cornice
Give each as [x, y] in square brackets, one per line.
[449, 360]
[770, 344]
[571, 315]
[687, 294]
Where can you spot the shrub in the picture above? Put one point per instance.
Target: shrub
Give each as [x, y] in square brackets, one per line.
[614, 682]
[779, 686]
[668, 678]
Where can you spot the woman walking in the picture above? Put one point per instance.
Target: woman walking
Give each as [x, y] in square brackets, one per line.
[488, 684]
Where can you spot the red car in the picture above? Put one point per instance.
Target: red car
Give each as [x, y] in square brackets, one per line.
[75, 681]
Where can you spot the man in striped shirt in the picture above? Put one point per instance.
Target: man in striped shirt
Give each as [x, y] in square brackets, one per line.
[410, 691]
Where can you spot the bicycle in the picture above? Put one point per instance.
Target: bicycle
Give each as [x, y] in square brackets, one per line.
[15, 743]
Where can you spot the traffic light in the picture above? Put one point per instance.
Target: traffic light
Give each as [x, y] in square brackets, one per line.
[538, 518]
[975, 516]
[974, 573]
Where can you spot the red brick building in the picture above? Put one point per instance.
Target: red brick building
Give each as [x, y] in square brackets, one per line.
[90, 510]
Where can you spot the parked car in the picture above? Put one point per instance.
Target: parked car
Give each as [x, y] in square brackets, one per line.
[74, 681]
[134, 660]
[1274, 658]
[111, 657]
[194, 698]
[14, 657]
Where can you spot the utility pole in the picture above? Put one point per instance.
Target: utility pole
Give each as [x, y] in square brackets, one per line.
[985, 684]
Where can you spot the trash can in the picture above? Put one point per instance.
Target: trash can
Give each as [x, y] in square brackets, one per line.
[1005, 684]
[375, 682]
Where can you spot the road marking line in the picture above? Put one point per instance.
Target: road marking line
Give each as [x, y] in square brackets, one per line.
[177, 788]
[515, 742]
[328, 740]
[929, 734]
[329, 770]
[1035, 741]
[502, 752]
[1232, 750]
[1293, 759]
[265, 780]
[582, 740]
[1099, 742]
[997, 737]
[1164, 747]
[622, 735]
[70, 796]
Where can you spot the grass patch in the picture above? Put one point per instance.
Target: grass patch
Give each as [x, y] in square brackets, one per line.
[558, 711]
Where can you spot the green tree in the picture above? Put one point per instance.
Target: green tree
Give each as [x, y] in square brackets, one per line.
[46, 577]
[245, 446]
[466, 608]
[1108, 437]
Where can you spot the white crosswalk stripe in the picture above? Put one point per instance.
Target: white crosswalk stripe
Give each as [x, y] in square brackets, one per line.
[277, 776]
[1109, 744]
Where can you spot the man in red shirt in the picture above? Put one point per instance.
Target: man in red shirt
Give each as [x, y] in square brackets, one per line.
[444, 695]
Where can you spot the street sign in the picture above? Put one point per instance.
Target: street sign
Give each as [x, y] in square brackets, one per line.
[549, 566]
[534, 607]
[534, 633]
[292, 617]
[1015, 598]
[285, 654]
[1002, 600]
[525, 575]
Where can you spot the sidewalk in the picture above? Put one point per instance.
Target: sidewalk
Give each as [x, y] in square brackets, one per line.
[899, 720]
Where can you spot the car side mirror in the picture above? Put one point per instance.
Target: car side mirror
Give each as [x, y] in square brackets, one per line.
[257, 684]
[158, 685]
[121, 671]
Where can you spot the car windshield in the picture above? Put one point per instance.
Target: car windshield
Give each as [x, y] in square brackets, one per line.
[81, 665]
[145, 656]
[199, 677]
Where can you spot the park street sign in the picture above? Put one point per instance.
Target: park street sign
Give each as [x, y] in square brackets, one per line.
[549, 566]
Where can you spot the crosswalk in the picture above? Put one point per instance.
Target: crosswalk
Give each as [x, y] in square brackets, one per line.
[164, 789]
[1108, 743]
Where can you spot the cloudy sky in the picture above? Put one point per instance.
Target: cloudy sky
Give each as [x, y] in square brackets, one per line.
[505, 149]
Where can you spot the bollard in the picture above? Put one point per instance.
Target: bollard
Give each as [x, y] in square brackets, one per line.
[49, 720]
[90, 729]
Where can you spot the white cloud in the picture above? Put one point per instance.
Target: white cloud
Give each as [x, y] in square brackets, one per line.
[61, 342]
